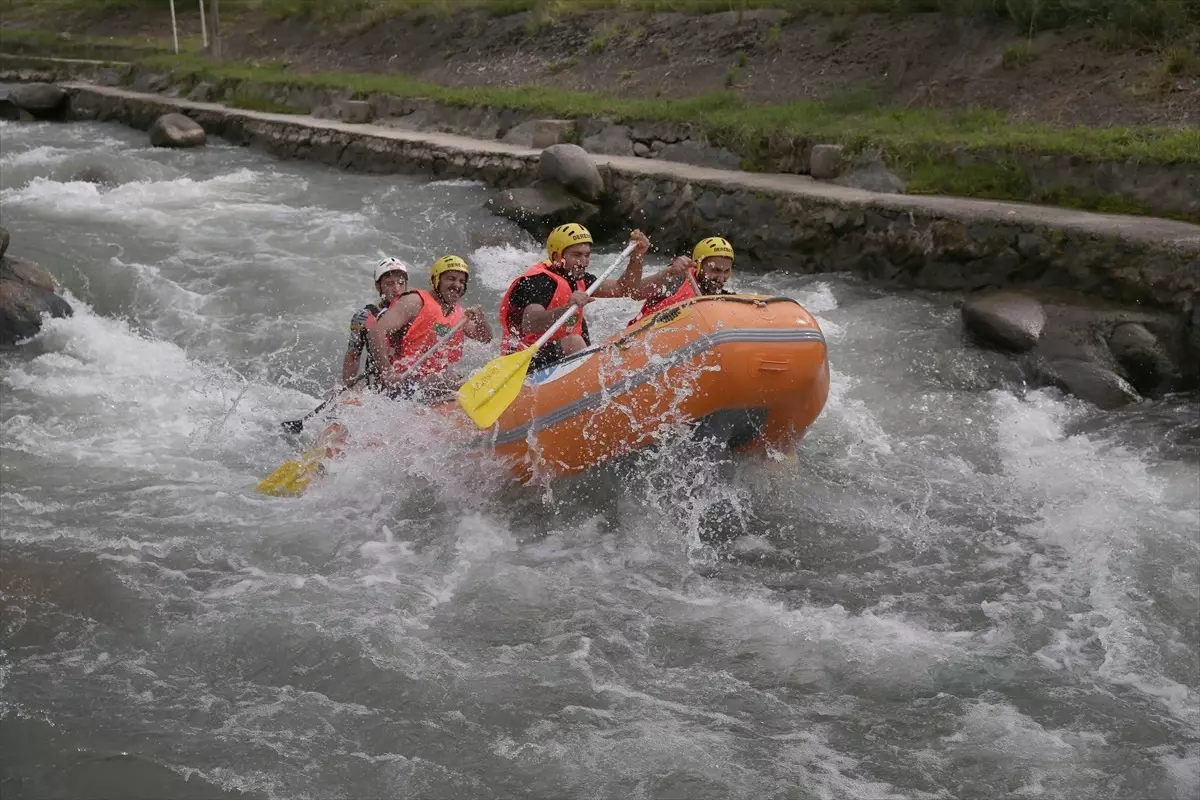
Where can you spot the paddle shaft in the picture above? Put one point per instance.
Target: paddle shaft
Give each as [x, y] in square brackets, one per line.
[297, 425]
[545, 337]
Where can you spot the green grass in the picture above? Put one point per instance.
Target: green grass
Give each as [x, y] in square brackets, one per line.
[855, 119]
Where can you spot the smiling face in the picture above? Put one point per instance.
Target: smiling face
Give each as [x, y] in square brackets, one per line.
[392, 284]
[452, 285]
[575, 261]
[714, 272]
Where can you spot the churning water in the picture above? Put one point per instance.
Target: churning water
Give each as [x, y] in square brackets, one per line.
[956, 590]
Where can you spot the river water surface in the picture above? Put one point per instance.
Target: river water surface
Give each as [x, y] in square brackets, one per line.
[955, 591]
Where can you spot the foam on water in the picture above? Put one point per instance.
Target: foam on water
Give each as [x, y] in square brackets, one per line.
[948, 593]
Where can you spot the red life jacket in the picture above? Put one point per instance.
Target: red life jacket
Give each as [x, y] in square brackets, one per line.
[422, 333]
[686, 291]
[511, 337]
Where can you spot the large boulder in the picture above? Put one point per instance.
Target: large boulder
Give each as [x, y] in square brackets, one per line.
[18, 269]
[176, 130]
[1005, 319]
[612, 140]
[541, 207]
[4, 239]
[22, 307]
[1142, 356]
[1089, 381]
[572, 168]
[41, 100]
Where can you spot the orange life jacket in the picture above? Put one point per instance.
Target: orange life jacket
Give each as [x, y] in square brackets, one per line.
[686, 291]
[422, 333]
[511, 337]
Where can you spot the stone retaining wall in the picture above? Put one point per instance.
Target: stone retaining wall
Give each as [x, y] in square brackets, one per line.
[778, 221]
[1164, 189]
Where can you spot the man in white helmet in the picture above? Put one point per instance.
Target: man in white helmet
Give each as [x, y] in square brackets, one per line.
[391, 281]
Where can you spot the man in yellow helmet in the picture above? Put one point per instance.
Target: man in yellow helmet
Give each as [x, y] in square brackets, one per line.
[554, 287]
[705, 273]
[417, 321]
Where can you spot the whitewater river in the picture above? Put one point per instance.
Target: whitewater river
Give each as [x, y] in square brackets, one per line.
[960, 589]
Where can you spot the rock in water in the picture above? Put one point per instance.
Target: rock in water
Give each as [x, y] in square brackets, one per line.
[1005, 319]
[176, 130]
[539, 208]
[41, 100]
[1101, 387]
[22, 271]
[22, 307]
[570, 166]
[1139, 352]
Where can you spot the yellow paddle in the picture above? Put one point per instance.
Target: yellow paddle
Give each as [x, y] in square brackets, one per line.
[292, 477]
[492, 389]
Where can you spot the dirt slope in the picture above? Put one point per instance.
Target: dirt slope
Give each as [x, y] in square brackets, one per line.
[930, 60]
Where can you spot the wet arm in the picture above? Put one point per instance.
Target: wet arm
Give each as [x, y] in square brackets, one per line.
[350, 365]
[478, 329]
[395, 318]
[628, 285]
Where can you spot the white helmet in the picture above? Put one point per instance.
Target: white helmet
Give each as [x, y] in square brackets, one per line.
[390, 265]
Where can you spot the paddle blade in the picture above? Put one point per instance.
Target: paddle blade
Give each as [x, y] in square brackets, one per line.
[291, 478]
[492, 389]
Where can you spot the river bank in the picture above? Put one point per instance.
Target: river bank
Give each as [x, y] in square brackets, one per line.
[951, 104]
[1094, 273]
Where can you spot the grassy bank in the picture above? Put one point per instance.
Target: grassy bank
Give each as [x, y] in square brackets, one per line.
[853, 119]
[925, 146]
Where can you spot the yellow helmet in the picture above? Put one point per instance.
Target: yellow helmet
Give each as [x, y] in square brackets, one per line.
[447, 264]
[712, 246]
[564, 236]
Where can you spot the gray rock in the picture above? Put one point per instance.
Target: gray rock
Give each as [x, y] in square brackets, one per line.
[641, 150]
[613, 140]
[42, 100]
[176, 130]
[701, 155]
[1141, 355]
[540, 208]
[1005, 319]
[1101, 387]
[94, 173]
[825, 161]
[9, 110]
[22, 308]
[540, 133]
[355, 112]
[202, 93]
[5, 238]
[873, 176]
[1030, 245]
[571, 167]
[18, 269]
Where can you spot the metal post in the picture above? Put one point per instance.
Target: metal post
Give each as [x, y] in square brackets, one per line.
[174, 28]
[203, 26]
[215, 12]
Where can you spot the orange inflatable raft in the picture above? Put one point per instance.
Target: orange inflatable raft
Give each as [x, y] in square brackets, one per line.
[746, 371]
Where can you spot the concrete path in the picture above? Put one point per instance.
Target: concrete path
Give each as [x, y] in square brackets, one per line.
[1150, 229]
